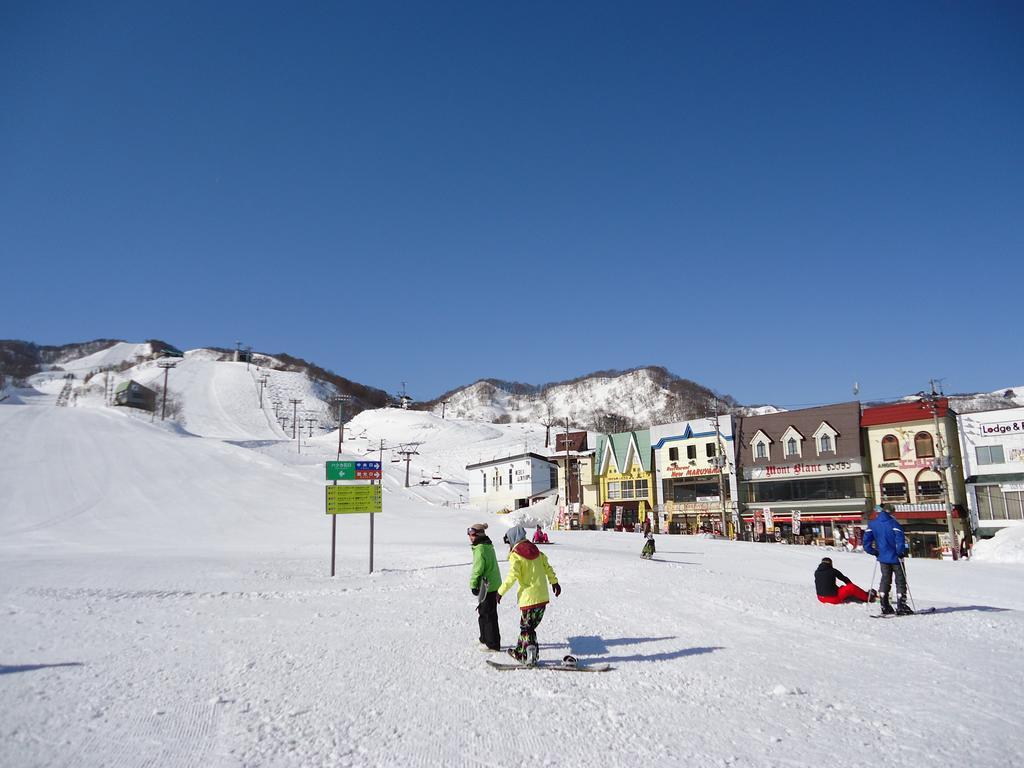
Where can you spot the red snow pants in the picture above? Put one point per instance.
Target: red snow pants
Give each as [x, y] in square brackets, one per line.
[847, 593]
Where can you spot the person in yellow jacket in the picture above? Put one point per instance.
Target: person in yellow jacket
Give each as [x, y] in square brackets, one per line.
[530, 567]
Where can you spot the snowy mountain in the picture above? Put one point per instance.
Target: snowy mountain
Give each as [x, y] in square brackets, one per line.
[607, 401]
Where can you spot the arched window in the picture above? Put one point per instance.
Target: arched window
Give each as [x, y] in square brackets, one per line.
[791, 447]
[928, 486]
[890, 448]
[761, 453]
[894, 488]
[826, 443]
[924, 445]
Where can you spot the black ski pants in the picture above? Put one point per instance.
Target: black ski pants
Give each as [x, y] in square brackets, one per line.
[487, 609]
[888, 571]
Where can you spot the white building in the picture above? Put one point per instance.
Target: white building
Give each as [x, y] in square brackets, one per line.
[992, 445]
[694, 464]
[510, 482]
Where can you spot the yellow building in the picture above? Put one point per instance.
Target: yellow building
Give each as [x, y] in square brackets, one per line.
[625, 478]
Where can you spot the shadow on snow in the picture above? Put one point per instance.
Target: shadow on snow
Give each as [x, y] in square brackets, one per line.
[11, 669]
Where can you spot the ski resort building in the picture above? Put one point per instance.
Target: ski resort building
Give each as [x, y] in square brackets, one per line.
[134, 395]
[992, 447]
[626, 479]
[695, 474]
[914, 450]
[803, 476]
[583, 492]
[509, 483]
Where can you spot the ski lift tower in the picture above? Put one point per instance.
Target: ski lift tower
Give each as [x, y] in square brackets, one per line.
[408, 451]
[404, 399]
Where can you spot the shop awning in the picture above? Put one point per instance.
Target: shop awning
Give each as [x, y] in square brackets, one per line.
[1009, 477]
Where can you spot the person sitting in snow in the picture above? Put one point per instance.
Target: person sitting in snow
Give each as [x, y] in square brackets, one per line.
[539, 537]
[528, 566]
[648, 551]
[829, 592]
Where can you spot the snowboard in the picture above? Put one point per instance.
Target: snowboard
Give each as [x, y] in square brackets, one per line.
[555, 666]
[922, 612]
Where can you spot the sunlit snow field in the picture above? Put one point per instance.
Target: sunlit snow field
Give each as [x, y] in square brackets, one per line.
[166, 601]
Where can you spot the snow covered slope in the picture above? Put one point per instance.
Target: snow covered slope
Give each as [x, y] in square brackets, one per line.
[165, 601]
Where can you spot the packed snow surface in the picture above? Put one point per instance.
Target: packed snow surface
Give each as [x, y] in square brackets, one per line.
[1007, 546]
[166, 601]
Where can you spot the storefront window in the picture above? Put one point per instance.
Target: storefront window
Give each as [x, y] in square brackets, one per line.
[807, 490]
[993, 504]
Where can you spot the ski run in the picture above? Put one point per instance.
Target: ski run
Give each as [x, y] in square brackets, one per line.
[166, 601]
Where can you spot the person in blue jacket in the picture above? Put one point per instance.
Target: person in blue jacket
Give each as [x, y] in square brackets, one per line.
[885, 540]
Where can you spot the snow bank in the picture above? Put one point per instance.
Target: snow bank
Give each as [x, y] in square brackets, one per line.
[1007, 546]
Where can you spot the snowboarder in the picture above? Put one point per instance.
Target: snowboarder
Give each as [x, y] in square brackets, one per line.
[484, 582]
[648, 551]
[885, 540]
[825, 584]
[539, 537]
[528, 566]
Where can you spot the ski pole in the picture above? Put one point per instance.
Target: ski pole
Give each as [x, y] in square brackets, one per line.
[903, 565]
[871, 584]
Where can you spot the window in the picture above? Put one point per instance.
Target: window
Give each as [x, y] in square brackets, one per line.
[929, 490]
[510, 477]
[890, 448]
[826, 444]
[996, 504]
[613, 490]
[990, 454]
[924, 445]
[894, 487]
[640, 489]
[710, 449]
[673, 454]
[485, 483]
[804, 490]
[791, 449]
[760, 451]
[691, 451]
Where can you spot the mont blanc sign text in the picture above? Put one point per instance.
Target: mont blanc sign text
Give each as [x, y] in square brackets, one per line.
[802, 469]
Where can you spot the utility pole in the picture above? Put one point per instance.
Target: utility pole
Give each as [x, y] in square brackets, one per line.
[295, 413]
[720, 464]
[311, 420]
[166, 365]
[238, 351]
[567, 496]
[277, 406]
[341, 400]
[248, 356]
[263, 382]
[941, 464]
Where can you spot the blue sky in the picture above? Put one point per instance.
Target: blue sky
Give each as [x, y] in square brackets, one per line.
[772, 199]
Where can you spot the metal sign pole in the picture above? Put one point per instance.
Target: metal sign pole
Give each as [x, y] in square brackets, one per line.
[334, 540]
[371, 542]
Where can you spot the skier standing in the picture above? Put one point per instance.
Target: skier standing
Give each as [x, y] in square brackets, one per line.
[885, 540]
[648, 549]
[484, 582]
[528, 566]
[825, 585]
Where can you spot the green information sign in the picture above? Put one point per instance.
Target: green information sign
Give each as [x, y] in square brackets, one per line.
[353, 499]
[353, 470]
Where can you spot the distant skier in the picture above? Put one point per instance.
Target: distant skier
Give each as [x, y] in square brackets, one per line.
[885, 540]
[828, 592]
[484, 582]
[539, 537]
[528, 566]
[648, 550]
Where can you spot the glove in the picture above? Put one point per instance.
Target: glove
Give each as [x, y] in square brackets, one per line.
[475, 590]
[499, 597]
[556, 589]
[904, 553]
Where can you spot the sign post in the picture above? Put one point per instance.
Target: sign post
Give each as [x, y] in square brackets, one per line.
[353, 499]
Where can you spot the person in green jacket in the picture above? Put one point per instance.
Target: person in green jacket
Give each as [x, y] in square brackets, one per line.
[530, 567]
[484, 582]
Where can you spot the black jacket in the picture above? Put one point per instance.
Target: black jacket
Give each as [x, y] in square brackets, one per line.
[825, 580]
